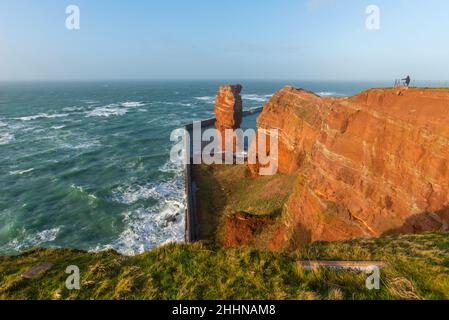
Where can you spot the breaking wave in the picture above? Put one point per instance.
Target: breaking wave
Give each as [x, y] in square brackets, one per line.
[73, 109]
[79, 190]
[148, 227]
[256, 97]
[21, 172]
[107, 111]
[132, 104]
[6, 138]
[42, 116]
[34, 240]
[114, 109]
[81, 145]
[171, 167]
[207, 99]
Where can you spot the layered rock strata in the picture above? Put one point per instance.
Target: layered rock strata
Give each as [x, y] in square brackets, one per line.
[372, 164]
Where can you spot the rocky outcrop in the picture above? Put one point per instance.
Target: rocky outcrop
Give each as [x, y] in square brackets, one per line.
[228, 109]
[243, 230]
[297, 115]
[372, 164]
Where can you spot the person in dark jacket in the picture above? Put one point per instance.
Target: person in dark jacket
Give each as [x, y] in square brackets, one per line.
[407, 81]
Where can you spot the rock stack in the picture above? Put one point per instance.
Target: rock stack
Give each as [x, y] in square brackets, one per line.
[228, 110]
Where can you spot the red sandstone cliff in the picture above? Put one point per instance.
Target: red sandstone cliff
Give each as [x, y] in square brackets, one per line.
[371, 164]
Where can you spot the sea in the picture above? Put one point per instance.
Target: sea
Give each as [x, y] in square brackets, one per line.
[86, 165]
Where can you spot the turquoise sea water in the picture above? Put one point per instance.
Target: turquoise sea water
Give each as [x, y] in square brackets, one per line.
[86, 165]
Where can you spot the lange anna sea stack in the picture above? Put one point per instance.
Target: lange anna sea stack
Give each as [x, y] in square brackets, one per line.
[228, 110]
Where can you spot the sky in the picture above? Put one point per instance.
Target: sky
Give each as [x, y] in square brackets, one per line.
[216, 39]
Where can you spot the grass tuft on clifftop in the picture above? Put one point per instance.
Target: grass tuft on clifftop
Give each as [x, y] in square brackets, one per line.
[418, 269]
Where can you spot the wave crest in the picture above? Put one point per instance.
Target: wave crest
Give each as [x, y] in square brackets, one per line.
[42, 116]
[24, 242]
[6, 138]
[132, 104]
[149, 227]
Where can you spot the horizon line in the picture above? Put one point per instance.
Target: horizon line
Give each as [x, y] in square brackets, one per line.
[211, 79]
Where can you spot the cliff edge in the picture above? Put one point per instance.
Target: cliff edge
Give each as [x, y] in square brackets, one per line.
[372, 164]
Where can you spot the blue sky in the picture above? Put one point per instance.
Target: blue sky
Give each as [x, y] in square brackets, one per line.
[216, 39]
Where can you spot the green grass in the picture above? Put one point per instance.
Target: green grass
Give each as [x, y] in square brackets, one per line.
[226, 190]
[418, 269]
[418, 265]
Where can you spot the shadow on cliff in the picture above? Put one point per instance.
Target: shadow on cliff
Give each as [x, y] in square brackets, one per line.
[423, 222]
[209, 204]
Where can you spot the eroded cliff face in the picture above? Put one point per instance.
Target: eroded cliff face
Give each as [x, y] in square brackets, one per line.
[297, 115]
[372, 164]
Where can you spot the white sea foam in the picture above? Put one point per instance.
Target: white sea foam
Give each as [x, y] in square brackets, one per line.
[256, 97]
[133, 104]
[181, 104]
[6, 138]
[33, 240]
[206, 99]
[82, 145]
[134, 193]
[77, 188]
[34, 129]
[114, 109]
[171, 167]
[42, 116]
[82, 191]
[107, 111]
[73, 109]
[148, 227]
[20, 172]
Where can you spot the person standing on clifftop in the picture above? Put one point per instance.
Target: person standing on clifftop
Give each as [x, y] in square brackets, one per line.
[407, 81]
